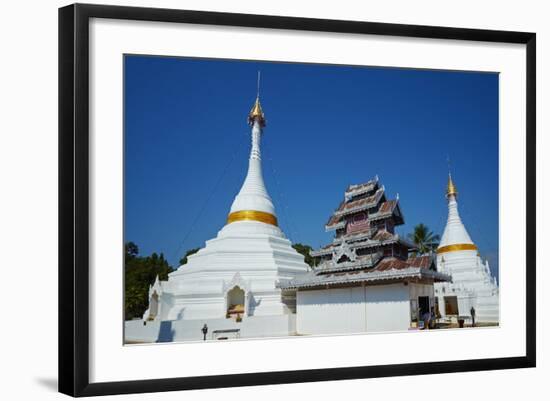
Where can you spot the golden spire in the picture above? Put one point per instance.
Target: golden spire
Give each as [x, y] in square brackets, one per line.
[451, 187]
[256, 113]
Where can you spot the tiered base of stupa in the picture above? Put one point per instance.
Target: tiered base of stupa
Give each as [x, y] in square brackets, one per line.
[487, 306]
[229, 285]
[472, 286]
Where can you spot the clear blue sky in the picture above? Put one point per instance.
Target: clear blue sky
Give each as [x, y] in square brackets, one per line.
[187, 145]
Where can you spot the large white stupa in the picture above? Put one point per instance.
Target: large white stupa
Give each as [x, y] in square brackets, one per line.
[472, 283]
[230, 284]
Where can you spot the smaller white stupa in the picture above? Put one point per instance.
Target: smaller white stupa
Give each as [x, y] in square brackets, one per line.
[231, 284]
[472, 284]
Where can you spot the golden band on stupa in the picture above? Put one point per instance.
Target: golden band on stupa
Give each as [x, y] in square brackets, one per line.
[252, 215]
[457, 247]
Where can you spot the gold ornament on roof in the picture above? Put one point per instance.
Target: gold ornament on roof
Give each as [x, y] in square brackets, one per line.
[451, 187]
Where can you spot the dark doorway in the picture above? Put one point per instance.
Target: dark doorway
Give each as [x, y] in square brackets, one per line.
[451, 306]
[423, 306]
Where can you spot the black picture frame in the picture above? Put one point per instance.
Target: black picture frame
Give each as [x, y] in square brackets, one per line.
[74, 198]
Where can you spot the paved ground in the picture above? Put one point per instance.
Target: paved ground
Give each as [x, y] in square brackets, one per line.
[455, 325]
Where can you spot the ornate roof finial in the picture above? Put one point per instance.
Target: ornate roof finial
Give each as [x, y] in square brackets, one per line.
[256, 113]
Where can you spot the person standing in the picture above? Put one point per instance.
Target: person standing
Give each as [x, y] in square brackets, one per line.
[432, 318]
[473, 314]
[426, 319]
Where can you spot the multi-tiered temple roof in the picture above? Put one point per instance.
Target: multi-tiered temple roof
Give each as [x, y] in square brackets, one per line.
[366, 247]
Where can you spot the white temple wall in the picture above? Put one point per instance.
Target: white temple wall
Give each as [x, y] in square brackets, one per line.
[190, 330]
[421, 290]
[353, 310]
[333, 311]
[137, 331]
[388, 308]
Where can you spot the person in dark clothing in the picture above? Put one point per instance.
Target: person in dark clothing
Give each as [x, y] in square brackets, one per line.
[432, 318]
[473, 314]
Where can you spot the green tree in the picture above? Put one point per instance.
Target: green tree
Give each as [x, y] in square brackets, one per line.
[131, 250]
[190, 252]
[424, 239]
[139, 273]
[305, 250]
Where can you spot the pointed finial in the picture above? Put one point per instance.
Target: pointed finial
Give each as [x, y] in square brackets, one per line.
[451, 187]
[256, 113]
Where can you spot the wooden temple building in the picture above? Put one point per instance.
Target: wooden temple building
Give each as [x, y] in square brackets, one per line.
[367, 278]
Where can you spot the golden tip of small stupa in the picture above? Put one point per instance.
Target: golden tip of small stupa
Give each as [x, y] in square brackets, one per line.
[451, 187]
